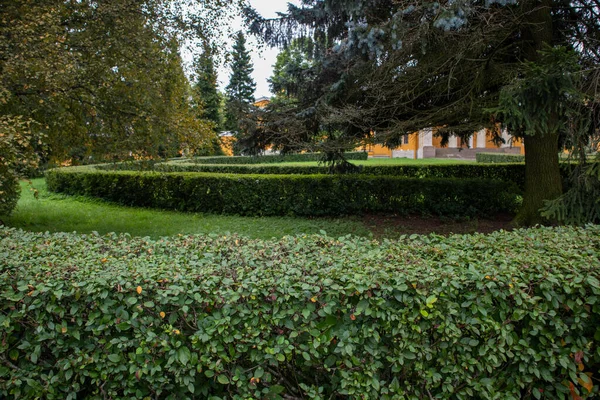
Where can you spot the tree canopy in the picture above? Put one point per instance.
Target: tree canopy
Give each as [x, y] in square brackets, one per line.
[99, 79]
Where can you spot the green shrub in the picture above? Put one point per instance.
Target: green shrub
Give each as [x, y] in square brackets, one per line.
[492, 158]
[512, 315]
[275, 158]
[307, 195]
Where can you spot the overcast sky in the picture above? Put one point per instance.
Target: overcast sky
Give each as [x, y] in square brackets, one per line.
[264, 58]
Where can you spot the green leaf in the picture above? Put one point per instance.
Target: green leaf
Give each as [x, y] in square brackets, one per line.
[184, 355]
[223, 380]
[114, 358]
[259, 372]
[276, 389]
[209, 373]
[362, 306]
[431, 301]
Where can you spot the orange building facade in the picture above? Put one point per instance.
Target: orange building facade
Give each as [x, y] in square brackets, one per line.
[424, 144]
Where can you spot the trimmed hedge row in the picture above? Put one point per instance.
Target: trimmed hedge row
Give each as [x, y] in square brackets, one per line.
[505, 172]
[275, 158]
[306, 195]
[512, 315]
[491, 158]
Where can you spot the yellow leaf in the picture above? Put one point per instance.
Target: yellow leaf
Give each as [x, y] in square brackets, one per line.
[313, 299]
[139, 290]
[586, 383]
[162, 314]
[64, 330]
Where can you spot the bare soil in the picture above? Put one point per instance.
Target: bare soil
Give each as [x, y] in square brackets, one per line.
[396, 225]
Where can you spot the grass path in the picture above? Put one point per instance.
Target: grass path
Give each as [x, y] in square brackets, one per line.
[59, 213]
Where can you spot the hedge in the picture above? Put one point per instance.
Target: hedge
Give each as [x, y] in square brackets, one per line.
[506, 172]
[492, 158]
[305, 195]
[512, 315]
[276, 158]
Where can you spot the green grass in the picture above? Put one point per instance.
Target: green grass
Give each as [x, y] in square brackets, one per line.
[59, 213]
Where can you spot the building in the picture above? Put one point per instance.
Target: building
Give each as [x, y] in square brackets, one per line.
[228, 138]
[424, 144]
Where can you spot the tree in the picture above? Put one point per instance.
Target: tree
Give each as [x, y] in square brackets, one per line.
[205, 89]
[241, 87]
[208, 100]
[399, 66]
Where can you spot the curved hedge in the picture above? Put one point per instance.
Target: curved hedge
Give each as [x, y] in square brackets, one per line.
[512, 315]
[505, 172]
[276, 158]
[307, 195]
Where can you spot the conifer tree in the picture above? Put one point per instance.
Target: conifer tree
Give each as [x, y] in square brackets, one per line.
[240, 90]
[208, 100]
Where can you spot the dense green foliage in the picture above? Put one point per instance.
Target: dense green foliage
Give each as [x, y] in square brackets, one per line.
[17, 156]
[493, 158]
[512, 315]
[276, 158]
[304, 195]
[509, 173]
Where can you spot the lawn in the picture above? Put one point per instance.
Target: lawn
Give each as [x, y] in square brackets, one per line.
[59, 213]
[375, 161]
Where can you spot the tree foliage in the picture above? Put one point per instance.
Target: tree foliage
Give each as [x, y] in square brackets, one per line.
[99, 79]
[241, 87]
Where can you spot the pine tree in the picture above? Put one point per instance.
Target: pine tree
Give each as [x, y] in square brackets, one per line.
[241, 87]
[206, 93]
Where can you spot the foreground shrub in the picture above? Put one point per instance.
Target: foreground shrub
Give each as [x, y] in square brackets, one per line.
[307, 195]
[276, 158]
[499, 158]
[512, 315]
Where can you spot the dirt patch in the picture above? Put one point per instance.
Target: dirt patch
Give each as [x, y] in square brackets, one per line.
[390, 226]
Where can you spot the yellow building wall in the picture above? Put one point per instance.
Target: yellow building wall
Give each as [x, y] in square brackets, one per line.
[227, 145]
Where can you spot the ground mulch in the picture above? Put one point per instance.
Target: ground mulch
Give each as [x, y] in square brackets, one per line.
[395, 225]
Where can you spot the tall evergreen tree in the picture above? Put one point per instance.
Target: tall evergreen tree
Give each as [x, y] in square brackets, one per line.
[241, 87]
[208, 100]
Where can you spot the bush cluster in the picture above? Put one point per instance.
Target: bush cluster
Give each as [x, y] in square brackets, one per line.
[493, 158]
[275, 158]
[511, 315]
[305, 195]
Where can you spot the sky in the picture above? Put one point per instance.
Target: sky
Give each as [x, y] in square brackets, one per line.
[263, 58]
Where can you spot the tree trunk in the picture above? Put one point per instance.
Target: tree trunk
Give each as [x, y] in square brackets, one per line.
[542, 177]
[542, 171]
